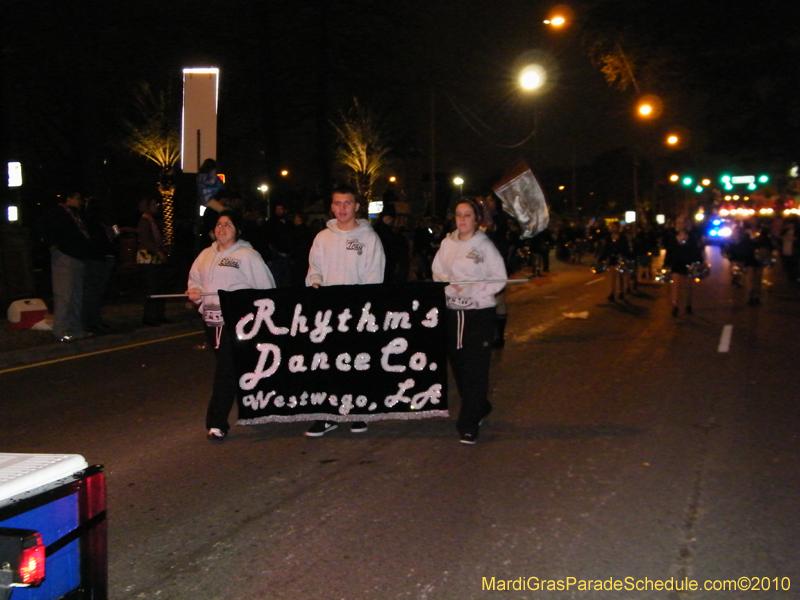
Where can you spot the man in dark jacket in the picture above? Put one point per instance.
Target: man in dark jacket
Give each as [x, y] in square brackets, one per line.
[65, 231]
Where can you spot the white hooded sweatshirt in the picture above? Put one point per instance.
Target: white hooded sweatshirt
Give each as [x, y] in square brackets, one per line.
[475, 259]
[237, 268]
[352, 257]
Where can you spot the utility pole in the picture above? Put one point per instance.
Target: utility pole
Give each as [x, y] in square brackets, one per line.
[433, 153]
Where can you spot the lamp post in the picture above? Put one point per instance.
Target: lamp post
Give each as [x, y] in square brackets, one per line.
[264, 188]
[531, 79]
[459, 181]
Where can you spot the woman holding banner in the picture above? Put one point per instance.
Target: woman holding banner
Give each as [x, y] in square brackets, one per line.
[469, 259]
[228, 264]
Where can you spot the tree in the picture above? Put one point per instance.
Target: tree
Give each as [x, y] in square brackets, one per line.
[361, 148]
[155, 137]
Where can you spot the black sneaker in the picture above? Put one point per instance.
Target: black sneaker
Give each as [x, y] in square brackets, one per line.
[469, 438]
[320, 428]
[358, 427]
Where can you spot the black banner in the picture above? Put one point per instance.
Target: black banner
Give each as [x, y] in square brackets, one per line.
[339, 353]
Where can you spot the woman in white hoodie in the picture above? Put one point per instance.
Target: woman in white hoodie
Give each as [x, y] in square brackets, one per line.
[468, 255]
[227, 264]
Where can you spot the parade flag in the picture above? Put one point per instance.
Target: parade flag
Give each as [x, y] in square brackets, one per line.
[523, 199]
[338, 353]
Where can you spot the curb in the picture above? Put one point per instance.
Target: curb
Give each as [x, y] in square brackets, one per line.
[56, 350]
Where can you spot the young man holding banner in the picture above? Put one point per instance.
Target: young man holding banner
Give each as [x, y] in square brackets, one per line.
[347, 252]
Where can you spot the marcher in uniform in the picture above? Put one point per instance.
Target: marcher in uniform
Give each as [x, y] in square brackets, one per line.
[227, 264]
[346, 252]
[467, 255]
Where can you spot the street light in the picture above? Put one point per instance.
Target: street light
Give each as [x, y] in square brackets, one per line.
[559, 16]
[649, 106]
[532, 77]
[264, 188]
[459, 181]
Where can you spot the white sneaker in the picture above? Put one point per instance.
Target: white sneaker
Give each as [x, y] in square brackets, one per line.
[215, 435]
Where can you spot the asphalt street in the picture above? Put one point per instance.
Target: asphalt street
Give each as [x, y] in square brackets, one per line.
[626, 447]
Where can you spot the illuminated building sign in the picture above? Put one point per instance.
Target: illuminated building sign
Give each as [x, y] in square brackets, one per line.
[14, 174]
[199, 123]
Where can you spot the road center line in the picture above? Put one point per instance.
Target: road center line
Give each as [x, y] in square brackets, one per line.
[725, 339]
[85, 354]
[593, 281]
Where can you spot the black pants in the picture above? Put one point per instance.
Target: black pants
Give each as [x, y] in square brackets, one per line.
[223, 393]
[471, 362]
[154, 277]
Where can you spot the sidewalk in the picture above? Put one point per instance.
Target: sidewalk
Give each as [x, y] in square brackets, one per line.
[23, 347]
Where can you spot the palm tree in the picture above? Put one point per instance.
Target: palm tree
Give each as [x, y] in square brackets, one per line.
[155, 137]
[361, 148]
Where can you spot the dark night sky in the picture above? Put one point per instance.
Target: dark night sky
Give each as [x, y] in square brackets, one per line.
[70, 69]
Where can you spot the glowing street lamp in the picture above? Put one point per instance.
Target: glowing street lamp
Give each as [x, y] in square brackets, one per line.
[284, 173]
[672, 139]
[559, 16]
[532, 77]
[459, 181]
[649, 106]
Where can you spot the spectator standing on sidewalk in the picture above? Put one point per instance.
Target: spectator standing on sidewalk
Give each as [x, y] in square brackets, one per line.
[278, 232]
[98, 267]
[151, 259]
[208, 186]
[64, 230]
[346, 252]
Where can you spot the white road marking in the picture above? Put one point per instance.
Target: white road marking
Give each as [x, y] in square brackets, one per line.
[725, 339]
[593, 281]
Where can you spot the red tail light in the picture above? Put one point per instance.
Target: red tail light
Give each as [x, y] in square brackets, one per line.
[31, 563]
